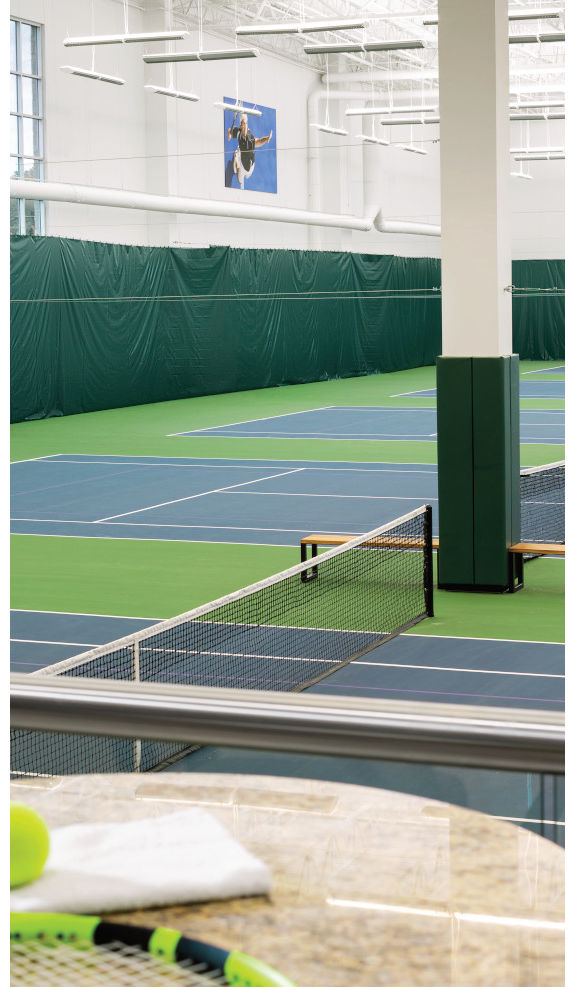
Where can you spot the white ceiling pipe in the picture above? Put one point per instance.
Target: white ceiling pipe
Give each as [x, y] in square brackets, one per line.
[397, 226]
[121, 198]
[303, 27]
[125, 39]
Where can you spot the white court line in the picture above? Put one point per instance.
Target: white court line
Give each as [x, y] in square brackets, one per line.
[109, 616]
[328, 469]
[459, 637]
[561, 366]
[235, 459]
[160, 524]
[36, 459]
[246, 421]
[407, 394]
[473, 671]
[330, 435]
[68, 644]
[264, 493]
[179, 541]
[205, 493]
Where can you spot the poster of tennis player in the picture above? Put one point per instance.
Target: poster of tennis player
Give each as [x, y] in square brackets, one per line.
[250, 146]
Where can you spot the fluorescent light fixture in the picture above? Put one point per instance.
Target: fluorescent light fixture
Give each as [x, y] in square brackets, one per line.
[521, 174]
[536, 150]
[533, 104]
[537, 116]
[410, 147]
[539, 157]
[329, 130]
[356, 46]
[201, 56]
[408, 121]
[415, 120]
[237, 108]
[375, 110]
[528, 39]
[114, 79]
[372, 140]
[173, 92]
[528, 14]
[125, 39]
[305, 27]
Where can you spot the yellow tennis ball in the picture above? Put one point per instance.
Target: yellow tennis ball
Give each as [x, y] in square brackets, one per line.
[29, 844]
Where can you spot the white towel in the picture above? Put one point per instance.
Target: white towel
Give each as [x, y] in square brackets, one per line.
[173, 859]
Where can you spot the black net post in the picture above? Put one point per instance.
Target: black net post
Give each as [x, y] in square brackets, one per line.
[428, 563]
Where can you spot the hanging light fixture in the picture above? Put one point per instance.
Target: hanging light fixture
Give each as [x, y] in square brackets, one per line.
[88, 74]
[125, 39]
[238, 108]
[176, 93]
[327, 129]
[303, 27]
[201, 56]
[378, 110]
[367, 46]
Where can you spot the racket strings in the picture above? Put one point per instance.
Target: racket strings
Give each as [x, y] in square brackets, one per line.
[118, 965]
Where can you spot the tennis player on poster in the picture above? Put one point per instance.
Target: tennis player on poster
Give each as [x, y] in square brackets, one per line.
[244, 158]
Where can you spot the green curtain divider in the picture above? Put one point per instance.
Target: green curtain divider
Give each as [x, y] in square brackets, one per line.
[93, 328]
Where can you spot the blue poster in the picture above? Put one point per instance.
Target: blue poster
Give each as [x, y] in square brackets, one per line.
[250, 147]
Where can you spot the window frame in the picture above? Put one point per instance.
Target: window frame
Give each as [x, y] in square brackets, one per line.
[20, 159]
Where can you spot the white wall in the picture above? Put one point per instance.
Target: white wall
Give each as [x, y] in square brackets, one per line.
[127, 137]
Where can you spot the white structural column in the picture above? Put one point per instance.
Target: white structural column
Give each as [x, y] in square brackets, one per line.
[475, 166]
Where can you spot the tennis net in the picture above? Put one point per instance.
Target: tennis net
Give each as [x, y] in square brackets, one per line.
[281, 634]
[542, 500]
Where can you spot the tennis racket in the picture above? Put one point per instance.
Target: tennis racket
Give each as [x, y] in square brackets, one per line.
[58, 949]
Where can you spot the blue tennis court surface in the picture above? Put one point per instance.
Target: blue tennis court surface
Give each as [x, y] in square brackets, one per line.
[411, 666]
[380, 424]
[254, 502]
[528, 389]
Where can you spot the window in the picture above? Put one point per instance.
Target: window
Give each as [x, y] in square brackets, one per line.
[26, 130]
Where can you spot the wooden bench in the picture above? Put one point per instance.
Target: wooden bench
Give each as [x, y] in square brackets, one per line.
[516, 552]
[334, 540]
[516, 555]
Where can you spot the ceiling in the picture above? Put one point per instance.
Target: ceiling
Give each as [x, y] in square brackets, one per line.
[533, 67]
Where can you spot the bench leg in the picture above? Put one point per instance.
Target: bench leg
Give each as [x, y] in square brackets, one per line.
[309, 574]
[515, 572]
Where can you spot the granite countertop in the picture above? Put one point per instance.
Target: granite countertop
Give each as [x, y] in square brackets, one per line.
[371, 888]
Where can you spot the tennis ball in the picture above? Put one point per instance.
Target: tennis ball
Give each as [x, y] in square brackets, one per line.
[29, 844]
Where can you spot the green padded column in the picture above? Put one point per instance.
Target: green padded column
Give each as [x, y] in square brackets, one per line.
[478, 470]
[455, 470]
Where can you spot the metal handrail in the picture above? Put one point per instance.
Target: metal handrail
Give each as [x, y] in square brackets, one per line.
[432, 733]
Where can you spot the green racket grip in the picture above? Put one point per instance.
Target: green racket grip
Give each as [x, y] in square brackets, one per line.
[49, 927]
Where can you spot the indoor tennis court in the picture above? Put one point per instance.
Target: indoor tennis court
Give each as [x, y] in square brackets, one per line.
[287, 476]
